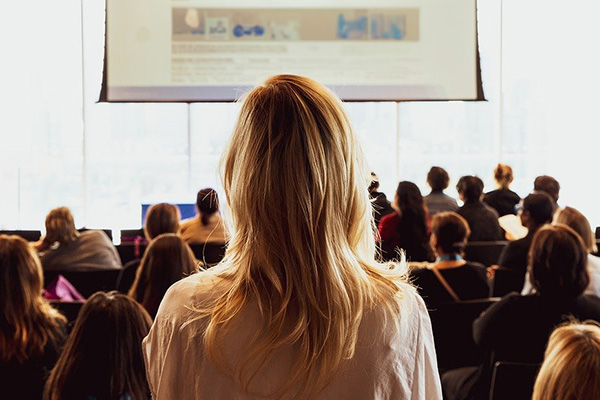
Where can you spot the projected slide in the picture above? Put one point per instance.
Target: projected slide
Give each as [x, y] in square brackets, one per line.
[199, 50]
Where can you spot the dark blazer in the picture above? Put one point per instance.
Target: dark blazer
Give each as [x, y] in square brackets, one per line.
[483, 222]
[503, 201]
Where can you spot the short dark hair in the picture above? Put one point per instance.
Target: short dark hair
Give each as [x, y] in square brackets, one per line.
[437, 178]
[207, 202]
[540, 207]
[548, 185]
[558, 262]
[471, 187]
[451, 231]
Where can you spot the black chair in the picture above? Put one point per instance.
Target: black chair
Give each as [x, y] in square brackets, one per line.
[209, 253]
[487, 253]
[31, 236]
[131, 251]
[513, 381]
[70, 309]
[507, 280]
[87, 282]
[452, 325]
[597, 233]
[128, 275]
[132, 235]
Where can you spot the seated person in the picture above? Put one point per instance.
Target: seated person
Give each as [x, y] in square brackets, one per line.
[63, 248]
[517, 327]
[207, 226]
[406, 229]
[381, 205]
[437, 201]
[103, 356]
[571, 364]
[167, 259]
[450, 278]
[482, 219]
[161, 218]
[503, 200]
[549, 185]
[32, 333]
[536, 211]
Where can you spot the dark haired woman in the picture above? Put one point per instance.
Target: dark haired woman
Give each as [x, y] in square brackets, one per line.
[103, 359]
[406, 229]
[161, 218]
[31, 331]
[207, 226]
[166, 260]
[437, 201]
[450, 278]
[517, 328]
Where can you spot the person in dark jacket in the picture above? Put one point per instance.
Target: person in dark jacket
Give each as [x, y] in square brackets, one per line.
[381, 205]
[503, 199]
[482, 219]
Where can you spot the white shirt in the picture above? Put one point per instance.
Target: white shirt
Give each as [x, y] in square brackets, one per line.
[393, 361]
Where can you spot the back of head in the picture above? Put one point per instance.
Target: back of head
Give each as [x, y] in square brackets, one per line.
[451, 232]
[540, 207]
[503, 175]
[557, 262]
[301, 231]
[409, 198]
[167, 259]
[471, 188]
[207, 202]
[60, 227]
[571, 364]
[161, 218]
[27, 322]
[547, 184]
[438, 179]
[580, 224]
[103, 356]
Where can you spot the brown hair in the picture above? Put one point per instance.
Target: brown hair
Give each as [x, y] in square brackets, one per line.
[103, 356]
[207, 202]
[548, 184]
[580, 224]
[168, 258]
[471, 188]
[27, 322]
[161, 218]
[571, 364]
[60, 227]
[451, 231]
[557, 262]
[437, 178]
[503, 175]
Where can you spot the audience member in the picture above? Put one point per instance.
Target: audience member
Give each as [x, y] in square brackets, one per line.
[517, 327]
[536, 211]
[548, 185]
[207, 226]
[450, 278]
[63, 248]
[503, 200]
[482, 219]
[381, 205]
[437, 201]
[161, 218]
[571, 364]
[103, 357]
[168, 259]
[300, 308]
[406, 228]
[31, 331]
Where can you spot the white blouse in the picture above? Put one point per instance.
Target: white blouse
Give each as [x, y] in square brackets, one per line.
[392, 361]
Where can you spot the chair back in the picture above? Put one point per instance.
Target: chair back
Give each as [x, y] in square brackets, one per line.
[513, 381]
[507, 280]
[128, 275]
[209, 253]
[70, 309]
[31, 236]
[88, 282]
[486, 253]
[131, 251]
[452, 325]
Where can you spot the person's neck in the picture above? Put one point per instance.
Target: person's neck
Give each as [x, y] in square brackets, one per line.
[449, 260]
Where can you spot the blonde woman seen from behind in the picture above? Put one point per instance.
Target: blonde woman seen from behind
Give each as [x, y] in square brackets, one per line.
[299, 308]
[571, 368]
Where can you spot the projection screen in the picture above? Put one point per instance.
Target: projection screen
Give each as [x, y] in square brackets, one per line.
[203, 50]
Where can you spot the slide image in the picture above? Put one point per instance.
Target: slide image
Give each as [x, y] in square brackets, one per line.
[188, 23]
[285, 30]
[217, 28]
[352, 26]
[385, 26]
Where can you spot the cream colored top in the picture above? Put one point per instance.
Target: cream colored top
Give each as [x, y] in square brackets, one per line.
[392, 361]
[193, 232]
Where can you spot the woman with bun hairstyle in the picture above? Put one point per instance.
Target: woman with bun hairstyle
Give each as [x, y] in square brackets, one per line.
[299, 308]
[503, 199]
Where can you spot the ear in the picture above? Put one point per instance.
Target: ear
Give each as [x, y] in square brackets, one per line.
[525, 218]
[433, 242]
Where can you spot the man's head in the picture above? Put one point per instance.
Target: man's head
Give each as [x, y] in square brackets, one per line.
[537, 210]
[548, 185]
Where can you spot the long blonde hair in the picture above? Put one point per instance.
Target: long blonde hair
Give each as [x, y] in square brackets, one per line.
[27, 322]
[571, 364]
[302, 245]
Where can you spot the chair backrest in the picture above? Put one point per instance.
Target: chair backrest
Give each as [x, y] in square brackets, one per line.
[131, 251]
[513, 381]
[507, 280]
[209, 253]
[70, 309]
[30, 236]
[452, 325]
[487, 253]
[88, 282]
[128, 275]
[131, 235]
